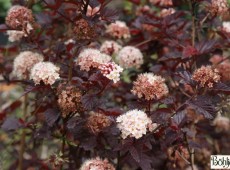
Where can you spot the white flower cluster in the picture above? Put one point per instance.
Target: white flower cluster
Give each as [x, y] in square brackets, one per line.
[226, 26]
[46, 72]
[111, 70]
[134, 123]
[91, 58]
[130, 56]
[24, 62]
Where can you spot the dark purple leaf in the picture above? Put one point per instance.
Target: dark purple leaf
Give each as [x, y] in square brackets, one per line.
[221, 87]
[43, 19]
[206, 46]
[202, 105]
[51, 116]
[178, 118]
[186, 77]
[11, 124]
[90, 101]
[109, 14]
[135, 154]
[89, 143]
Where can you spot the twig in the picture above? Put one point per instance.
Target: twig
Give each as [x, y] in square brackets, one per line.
[23, 136]
[191, 152]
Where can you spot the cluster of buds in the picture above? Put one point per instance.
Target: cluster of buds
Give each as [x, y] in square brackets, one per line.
[150, 87]
[57, 160]
[69, 99]
[111, 70]
[84, 30]
[97, 122]
[206, 76]
[219, 7]
[21, 19]
[222, 64]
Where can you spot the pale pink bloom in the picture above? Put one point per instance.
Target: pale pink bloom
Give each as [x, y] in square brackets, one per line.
[20, 17]
[111, 70]
[110, 47]
[161, 2]
[91, 58]
[222, 65]
[166, 12]
[97, 164]
[130, 56]
[222, 123]
[134, 123]
[24, 62]
[206, 76]
[45, 72]
[226, 26]
[15, 35]
[143, 10]
[119, 29]
[96, 122]
[150, 86]
[219, 7]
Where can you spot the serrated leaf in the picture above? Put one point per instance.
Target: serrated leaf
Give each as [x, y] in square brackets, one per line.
[51, 116]
[202, 105]
[178, 118]
[206, 46]
[221, 87]
[90, 101]
[110, 15]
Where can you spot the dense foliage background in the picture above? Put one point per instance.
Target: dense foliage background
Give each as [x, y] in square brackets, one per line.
[191, 121]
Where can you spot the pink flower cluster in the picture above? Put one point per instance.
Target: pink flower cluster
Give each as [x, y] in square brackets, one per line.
[150, 87]
[119, 29]
[206, 76]
[129, 57]
[19, 17]
[45, 72]
[91, 58]
[110, 47]
[97, 164]
[219, 7]
[222, 65]
[111, 70]
[24, 62]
